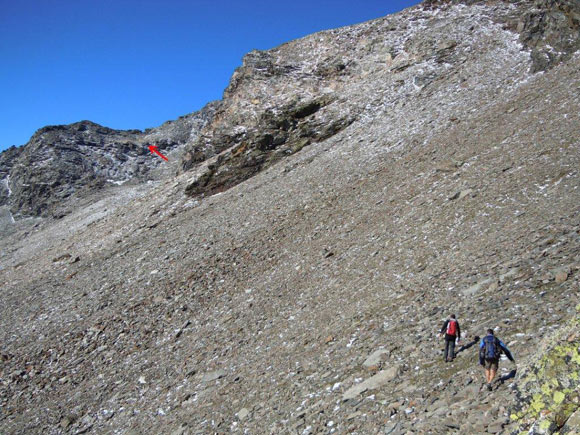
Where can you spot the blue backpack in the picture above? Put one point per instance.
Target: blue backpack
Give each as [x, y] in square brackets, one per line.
[491, 347]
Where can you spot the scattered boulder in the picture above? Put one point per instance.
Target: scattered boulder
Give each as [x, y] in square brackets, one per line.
[372, 383]
[376, 357]
[243, 414]
[561, 277]
[213, 376]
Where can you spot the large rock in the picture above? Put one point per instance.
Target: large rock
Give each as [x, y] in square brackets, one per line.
[381, 378]
[549, 389]
[376, 357]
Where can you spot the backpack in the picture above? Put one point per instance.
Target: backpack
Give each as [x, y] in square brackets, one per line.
[491, 349]
[452, 327]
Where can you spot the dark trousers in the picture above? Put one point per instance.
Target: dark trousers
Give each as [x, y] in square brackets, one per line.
[449, 348]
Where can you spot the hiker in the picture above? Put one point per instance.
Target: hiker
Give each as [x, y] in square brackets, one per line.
[490, 350]
[452, 332]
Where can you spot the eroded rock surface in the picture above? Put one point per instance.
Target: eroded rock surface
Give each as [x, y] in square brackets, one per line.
[304, 92]
[65, 162]
[453, 188]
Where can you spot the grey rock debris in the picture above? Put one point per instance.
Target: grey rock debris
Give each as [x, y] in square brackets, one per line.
[214, 286]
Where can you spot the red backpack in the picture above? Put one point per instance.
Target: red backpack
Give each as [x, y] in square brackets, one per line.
[452, 327]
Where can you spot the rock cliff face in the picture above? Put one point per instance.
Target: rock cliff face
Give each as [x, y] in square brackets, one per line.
[551, 30]
[284, 99]
[66, 162]
[353, 189]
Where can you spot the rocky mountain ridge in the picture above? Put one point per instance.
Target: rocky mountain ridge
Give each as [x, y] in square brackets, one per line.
[292, 278]
[258, 135]
[65, 162]
[252, 130]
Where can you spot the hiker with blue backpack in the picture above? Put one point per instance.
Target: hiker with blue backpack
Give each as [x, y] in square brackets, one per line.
[490, 350]
[452, 333]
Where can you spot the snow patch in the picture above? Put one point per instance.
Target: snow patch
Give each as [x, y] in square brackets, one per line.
[118, 182]
[6, 182]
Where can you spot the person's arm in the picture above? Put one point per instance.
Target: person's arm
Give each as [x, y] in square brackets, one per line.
[506, 351]
[481, 359]
[444, 328]
[458, 332]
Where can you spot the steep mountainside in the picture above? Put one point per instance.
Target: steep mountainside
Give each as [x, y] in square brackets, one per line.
[354, 188]
[304, 92]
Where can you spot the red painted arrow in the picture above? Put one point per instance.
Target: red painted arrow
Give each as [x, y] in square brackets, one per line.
[153, 149]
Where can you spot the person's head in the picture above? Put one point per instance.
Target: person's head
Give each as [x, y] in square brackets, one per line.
[452, 316]
[490, 331]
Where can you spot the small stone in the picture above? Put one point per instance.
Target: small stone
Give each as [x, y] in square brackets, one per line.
[451, 424]
[212, 376]
[446, 44]
[495, 427]
[61, 258]
[181, 430]
[243, 414]
[561, 277]
[87, 423]
[354, 415]
[65, 422]
[472, 290]
[391, 428]
[461, 194]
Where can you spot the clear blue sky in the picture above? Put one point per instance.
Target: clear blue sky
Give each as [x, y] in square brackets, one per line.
[138, 63]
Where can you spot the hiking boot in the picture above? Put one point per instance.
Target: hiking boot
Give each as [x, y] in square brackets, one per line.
[489, 387]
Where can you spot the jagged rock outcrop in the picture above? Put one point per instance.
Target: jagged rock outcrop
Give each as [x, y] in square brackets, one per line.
[551, 30]
[66, 162]
[307, 297]
[182, 130]
[275, 135]
[7, 160]
[61, 161]
[284, 99]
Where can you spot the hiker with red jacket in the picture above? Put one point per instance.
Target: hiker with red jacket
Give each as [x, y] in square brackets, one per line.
[490, 350]
[452, 332]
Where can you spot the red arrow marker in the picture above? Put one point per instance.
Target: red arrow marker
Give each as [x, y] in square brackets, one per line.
[153, 149]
